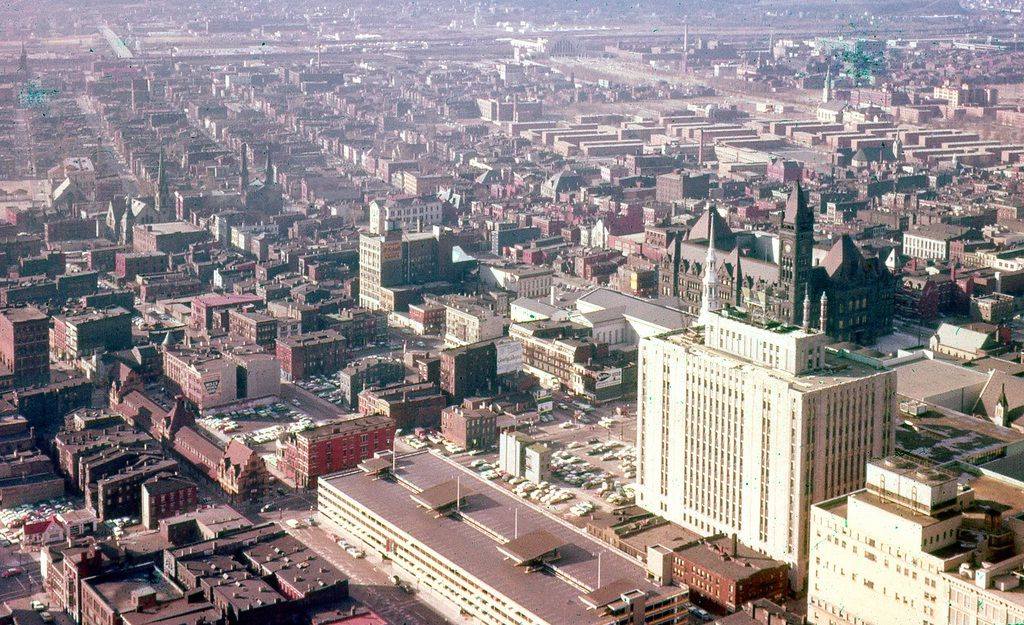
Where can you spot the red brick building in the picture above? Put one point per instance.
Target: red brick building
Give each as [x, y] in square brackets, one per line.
[25, 345]
[131, 264]
[410, 405]
[167, 496]
[210, 311]
[334, 447]
[723, 574]
[313, 353]
[470, 426]
[253, 327]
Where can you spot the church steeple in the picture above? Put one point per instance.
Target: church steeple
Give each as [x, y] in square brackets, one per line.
[709, 302]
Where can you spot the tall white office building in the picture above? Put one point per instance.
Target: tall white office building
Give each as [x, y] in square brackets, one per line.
[741, 428]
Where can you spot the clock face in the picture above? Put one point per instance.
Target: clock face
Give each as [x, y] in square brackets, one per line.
[788, 248]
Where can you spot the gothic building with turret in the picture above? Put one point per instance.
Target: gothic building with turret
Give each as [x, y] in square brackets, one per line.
[776, 279]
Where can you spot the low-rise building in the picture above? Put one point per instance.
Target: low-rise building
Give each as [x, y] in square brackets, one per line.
[723, 574]
[209, 378]
[333, 447]
[253, 327]
[368, 373]
[522, 456]
[167, 496]
[532, 572]
[312, 353]
[410, 405]
[470, 425]
[84, 334]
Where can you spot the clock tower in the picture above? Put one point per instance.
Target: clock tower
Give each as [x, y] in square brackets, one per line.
[796, 242]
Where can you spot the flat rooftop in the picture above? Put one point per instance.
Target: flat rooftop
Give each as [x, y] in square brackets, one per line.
[922, 379]
[837, 370]
[487, 522]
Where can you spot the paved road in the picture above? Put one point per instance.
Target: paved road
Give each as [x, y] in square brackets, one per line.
[23, 585]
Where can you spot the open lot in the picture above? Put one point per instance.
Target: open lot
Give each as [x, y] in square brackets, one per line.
[593, 458]
[257, 425]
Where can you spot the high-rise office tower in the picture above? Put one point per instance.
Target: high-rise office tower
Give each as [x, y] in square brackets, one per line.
[742, 427]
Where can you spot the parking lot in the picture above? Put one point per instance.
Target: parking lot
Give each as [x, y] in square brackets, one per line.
[593, 458]
[256, 425]
[19, 573]
[13, 519]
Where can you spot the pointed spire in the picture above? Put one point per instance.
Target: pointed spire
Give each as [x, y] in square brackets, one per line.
[709, 302]
[797, 210]
[823, 322]
[738, 280]
[807, 308]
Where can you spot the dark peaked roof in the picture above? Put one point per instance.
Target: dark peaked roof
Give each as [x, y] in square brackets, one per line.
[797, 210]
[700, 231]
[844, 259]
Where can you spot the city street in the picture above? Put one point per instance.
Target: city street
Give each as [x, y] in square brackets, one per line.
[27, 583]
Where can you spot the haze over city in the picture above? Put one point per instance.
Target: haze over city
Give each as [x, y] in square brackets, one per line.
[499, 312]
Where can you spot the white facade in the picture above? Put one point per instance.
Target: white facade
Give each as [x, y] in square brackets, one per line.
[523, 281]
[406, 214]
[740, 429]
[894, 554]
[471, 324]
[928, 248]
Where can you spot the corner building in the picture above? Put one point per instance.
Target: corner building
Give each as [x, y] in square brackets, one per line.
[742, 427]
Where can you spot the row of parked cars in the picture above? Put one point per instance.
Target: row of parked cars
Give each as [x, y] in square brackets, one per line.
[14, 518]
[544, 492]
[351, 549]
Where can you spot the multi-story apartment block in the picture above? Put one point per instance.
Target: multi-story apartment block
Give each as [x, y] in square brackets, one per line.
[313, 353]
[24, 345]
[741, 428]
[334, 447]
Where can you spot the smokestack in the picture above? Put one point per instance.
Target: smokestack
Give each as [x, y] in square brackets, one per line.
[553, 296]
[686, 48]
[734, 545]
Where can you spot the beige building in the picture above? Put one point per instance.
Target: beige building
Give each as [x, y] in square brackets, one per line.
[478, 549]
[741, 428]
[466, 322]
[211, 378]
[523, 280]
[915, 547]
[408, 213]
